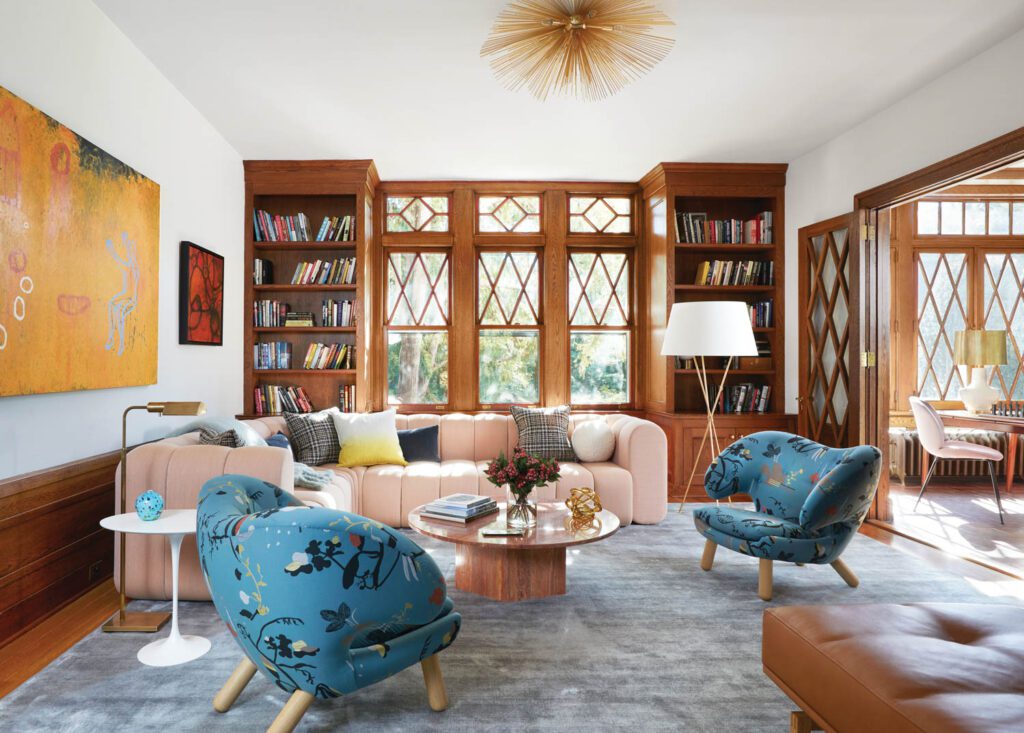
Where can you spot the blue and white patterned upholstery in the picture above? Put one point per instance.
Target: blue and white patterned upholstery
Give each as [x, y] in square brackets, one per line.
[809, 499]
[320, 600]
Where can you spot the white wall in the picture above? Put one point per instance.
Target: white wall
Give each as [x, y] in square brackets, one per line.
[66, 58]
[975, 102]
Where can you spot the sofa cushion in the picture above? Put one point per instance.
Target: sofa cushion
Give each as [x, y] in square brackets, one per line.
[314, 439]
[420, 444]
[544, 432]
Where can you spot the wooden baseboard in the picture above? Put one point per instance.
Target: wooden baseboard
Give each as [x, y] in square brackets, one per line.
[52, 549]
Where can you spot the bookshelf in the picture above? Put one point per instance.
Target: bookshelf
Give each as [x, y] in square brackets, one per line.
[317, 189]
[742, 192]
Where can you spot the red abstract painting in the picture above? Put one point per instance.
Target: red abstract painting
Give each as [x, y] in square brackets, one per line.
[201, 310]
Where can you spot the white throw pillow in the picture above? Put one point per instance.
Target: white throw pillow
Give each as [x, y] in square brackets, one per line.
[593, 441]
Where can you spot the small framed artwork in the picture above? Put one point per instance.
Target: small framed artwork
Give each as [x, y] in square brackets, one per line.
[201, 296]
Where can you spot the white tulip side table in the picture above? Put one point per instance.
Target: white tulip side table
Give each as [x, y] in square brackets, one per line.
[175, 524]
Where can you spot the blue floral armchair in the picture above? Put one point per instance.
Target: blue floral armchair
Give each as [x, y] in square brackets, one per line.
[322, 602]
[809, 501]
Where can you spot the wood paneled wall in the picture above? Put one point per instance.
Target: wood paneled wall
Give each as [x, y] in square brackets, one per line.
[52, 548]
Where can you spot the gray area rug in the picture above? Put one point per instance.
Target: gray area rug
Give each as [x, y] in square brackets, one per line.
[643, 638]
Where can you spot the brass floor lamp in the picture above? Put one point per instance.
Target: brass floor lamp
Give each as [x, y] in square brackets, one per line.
[148, 621]
[700, 329]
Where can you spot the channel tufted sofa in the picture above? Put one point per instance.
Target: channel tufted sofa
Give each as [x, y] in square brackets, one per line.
[633, 484]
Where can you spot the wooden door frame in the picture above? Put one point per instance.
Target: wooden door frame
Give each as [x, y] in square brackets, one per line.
[822, 228]
[871, 290]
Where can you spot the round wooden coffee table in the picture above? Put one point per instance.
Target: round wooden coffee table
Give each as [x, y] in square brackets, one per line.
[515, 568]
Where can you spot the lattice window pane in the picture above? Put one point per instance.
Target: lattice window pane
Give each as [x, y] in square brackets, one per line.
[599, 367]
[942, 299]
[928, 217]
[508, 287]
[600, 214]
[1018, 217]
[520, 214]
[416, 214]
[509, 367]
[598, 289]
[417, 289]
[417, 367]
[1004, 310]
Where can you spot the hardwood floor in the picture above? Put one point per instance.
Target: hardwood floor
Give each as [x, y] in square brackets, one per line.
[31, 651]
[960, 518]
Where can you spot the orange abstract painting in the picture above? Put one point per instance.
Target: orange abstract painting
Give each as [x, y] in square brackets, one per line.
[79, 249]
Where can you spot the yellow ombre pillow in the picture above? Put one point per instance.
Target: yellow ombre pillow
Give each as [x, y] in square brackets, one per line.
[368, 439]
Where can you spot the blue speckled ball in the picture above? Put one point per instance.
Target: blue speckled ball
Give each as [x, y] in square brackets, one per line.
[149, 505]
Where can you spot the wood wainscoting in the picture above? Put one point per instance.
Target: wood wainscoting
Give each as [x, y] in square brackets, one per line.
[52, 549]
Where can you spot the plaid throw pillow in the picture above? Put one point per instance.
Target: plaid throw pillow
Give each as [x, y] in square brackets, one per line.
[544, 432]
[314, 439]
[228, 438]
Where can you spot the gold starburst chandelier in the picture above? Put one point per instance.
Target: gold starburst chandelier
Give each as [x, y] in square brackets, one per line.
[585, 48]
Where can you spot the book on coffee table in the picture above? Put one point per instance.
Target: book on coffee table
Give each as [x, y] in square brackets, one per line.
[458, 518]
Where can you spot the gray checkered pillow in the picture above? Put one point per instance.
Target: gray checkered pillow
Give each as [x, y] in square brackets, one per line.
[314, 439]
[544, 432]
[228, 438]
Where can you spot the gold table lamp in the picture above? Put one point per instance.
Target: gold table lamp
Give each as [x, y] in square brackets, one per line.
[976, 349]
[147, 621]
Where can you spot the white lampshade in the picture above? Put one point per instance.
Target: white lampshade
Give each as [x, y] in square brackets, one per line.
[709, 328]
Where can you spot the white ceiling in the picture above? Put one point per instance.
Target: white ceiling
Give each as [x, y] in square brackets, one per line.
[401, 81]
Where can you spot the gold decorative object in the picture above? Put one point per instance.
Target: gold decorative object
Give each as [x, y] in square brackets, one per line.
[583, 48]
[583, 503]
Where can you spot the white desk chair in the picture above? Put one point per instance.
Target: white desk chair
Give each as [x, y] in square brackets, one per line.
[932, 435]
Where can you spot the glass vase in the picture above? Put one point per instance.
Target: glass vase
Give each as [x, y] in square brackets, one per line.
[520, 513]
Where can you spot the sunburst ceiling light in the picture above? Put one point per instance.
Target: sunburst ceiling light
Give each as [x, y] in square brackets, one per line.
[586, 48]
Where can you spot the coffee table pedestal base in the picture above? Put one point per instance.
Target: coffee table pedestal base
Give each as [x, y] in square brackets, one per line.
[510, 575]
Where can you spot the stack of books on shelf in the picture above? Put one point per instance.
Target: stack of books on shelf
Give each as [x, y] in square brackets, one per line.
[696, 228]
[272, 355]
[269, 227]
[460, 508]
[262, 272]
[744, 398]
[271, 399]
[299, 319]
[347, 398]
[337, 313]
[324, 356]
[326, 272]
[761, 314]
[268, 313]
[733, 272]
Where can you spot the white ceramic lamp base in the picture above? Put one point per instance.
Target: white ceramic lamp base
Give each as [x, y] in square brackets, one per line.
[978, 396]
[175, 649]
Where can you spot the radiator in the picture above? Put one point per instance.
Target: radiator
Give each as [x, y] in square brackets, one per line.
[905, 453]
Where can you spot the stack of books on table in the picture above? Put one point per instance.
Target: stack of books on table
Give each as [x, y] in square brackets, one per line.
[460, 508]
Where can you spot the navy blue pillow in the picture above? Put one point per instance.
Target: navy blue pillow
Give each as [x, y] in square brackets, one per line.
[280, 440]
[420, 444]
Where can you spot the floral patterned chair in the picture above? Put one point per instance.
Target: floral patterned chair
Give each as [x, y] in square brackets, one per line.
[809, 502]
[323, 602]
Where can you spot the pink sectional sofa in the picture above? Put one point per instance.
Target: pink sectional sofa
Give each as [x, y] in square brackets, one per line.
[633, 484]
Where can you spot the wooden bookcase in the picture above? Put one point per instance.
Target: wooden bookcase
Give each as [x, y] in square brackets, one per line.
[673, 397]
[317, 189]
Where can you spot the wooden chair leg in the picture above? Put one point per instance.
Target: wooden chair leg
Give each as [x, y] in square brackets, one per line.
[433, 679]
[291, 713]
[845, 573]
[801, 722]
[764, 579]
[234, 686]
[708, 558]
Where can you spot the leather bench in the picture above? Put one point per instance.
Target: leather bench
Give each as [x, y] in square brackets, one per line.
[955, 667]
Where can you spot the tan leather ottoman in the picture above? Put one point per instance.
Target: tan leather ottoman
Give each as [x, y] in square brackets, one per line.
[886, 667]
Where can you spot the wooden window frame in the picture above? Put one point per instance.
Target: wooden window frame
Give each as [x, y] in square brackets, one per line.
[478, 214]
[418, 234]
[387, 326]
[629, 328]
[631, 234]
[537, 308]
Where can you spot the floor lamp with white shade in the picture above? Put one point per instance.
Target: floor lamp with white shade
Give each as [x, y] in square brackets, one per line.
[713, 328]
